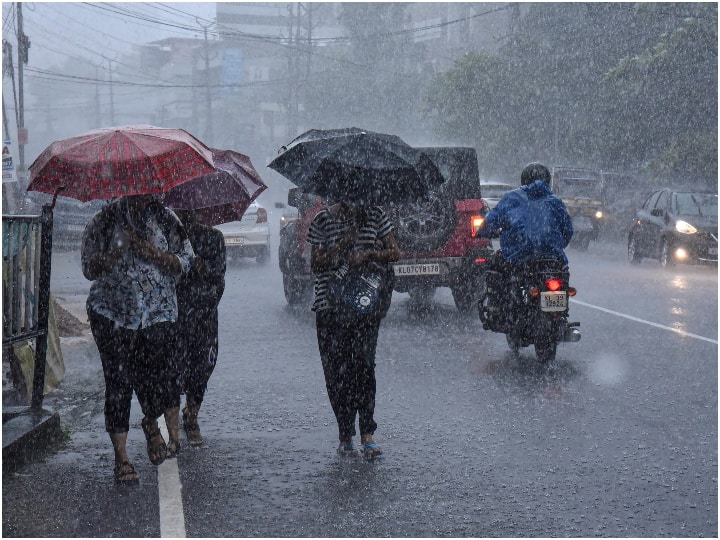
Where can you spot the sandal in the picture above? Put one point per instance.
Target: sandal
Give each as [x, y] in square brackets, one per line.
[192, 430]
[125, 473]
[347, 450]
[173, 449]
[156, 452]
[371, 450]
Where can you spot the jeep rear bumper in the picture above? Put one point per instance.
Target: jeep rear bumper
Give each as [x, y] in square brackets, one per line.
[439, 271]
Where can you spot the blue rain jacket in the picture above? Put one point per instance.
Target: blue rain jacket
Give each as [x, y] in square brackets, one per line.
[534, 224]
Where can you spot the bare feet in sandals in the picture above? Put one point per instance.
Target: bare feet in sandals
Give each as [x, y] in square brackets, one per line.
[347, 449]
[370, 448]
[156, 447]
[125, 473]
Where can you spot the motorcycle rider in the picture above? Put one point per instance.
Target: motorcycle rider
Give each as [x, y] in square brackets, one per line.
[532, 223]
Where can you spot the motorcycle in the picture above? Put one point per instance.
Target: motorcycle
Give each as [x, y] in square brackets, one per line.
[529, 304]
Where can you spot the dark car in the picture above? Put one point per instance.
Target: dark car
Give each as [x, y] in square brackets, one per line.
[676, 225]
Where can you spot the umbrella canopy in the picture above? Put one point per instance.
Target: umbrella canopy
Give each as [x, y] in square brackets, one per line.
[222, 195]
[118, 161]
[357, 165]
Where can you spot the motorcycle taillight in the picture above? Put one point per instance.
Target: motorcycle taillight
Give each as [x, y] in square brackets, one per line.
[553, 283]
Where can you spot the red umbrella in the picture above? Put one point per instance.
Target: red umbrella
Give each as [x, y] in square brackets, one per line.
[118, 161]
[222, 195]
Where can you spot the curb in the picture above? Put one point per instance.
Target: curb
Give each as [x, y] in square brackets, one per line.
[27, 434]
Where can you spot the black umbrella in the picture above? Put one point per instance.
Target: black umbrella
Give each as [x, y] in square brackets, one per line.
[357, 165]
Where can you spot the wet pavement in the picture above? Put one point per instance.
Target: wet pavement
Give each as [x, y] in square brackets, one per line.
[617, 438]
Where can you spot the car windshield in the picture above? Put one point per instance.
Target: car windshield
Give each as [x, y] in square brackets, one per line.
[494, 191]
[578, 187]
[696, 204]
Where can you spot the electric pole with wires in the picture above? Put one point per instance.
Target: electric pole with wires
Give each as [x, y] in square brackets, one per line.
[208, 98]
[23, 46]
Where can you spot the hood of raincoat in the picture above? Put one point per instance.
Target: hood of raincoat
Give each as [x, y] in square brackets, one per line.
[537, 189]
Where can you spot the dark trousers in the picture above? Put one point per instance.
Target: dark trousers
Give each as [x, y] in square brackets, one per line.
[347, 353]
[201, 350]
[143, 360]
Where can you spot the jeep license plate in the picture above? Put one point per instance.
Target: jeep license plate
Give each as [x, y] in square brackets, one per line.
[553, 301]
[429, 269]
[234, 241]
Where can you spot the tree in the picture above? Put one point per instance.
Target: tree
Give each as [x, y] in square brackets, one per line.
[469, 106]
[611, 86]
[670, 91]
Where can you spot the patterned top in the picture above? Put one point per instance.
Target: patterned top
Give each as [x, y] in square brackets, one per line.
[326, 231]
[135, 294]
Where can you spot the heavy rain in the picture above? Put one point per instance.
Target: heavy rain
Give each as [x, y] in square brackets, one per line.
[360, 269]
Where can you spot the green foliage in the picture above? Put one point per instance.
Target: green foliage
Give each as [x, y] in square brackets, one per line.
[612, 86]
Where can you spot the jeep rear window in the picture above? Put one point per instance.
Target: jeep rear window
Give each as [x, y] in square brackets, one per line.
[459, 167]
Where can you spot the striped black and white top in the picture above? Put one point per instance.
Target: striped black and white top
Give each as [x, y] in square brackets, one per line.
[326, 231]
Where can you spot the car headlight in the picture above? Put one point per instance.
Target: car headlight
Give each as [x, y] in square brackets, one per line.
[684, 227]
[598, 214]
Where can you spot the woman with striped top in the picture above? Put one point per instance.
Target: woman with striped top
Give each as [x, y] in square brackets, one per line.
[343, 236]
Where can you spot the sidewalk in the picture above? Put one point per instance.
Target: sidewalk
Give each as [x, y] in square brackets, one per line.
[28, 434]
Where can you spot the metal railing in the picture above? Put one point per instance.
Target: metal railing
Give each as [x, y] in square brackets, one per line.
[27, 250]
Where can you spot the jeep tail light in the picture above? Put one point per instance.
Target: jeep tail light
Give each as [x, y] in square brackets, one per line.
[553, 284]
[480, 260]
[261, 216]
[475, 223]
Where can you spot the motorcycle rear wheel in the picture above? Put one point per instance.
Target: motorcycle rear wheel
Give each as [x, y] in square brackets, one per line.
[545, 352]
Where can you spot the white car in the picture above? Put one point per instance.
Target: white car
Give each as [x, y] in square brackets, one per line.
[492, 192]
[249, 237]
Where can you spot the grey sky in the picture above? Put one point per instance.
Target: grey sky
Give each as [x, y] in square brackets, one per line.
[59, 31]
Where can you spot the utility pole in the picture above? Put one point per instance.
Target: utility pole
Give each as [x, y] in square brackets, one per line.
[97, 98]
[293, 69]
[309, 41]
[6, 128]
[23, 46]
[7, 70]
[208, 101]
[112, 97]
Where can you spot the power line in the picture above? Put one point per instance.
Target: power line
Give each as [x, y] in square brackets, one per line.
[62, 77]
[49, 33]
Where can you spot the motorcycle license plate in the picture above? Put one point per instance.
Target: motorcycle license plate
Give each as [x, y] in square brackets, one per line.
[553, 301]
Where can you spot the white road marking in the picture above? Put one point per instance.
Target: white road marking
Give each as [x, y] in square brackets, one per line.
[172, 519]
[636, 319]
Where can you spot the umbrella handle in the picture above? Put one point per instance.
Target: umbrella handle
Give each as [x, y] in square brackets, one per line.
[55, 196]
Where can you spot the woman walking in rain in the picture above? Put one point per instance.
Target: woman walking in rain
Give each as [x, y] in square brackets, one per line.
[134, 250]
[199, 293]
[342, 237]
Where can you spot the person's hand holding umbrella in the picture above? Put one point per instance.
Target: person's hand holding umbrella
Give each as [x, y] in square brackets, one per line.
[143, 248]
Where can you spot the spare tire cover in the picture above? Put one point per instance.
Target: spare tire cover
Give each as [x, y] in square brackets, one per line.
[424, 225]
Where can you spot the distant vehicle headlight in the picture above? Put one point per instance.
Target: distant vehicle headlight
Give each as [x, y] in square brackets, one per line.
[684, 227]
[599, 214]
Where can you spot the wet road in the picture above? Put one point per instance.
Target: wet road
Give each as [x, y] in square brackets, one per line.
[617, 438]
